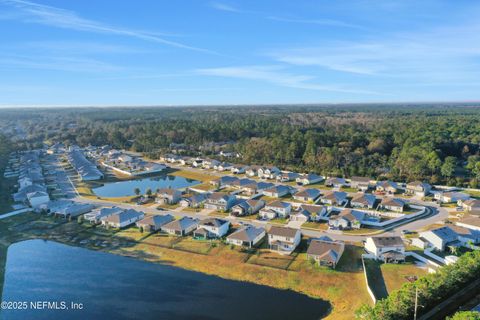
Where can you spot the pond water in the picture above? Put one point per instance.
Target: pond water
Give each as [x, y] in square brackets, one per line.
[126, 188]
[115, 287]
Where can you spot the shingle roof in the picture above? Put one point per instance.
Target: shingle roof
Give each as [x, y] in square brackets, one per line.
[283, 231]
[248, 233]
[327, 250]
[388, 241]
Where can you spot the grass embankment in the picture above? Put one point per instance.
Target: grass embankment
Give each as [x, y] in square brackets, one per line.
[395, 275]
[193, 175]
[344, 287]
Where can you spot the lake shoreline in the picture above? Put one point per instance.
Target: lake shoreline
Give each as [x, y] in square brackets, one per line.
[221, 261]
[192, 273]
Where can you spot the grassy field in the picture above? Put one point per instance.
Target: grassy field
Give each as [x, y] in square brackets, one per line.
[394, 274]
[194, 175]
[208, 257]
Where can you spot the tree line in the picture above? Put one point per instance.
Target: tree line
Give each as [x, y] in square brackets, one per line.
[439, 144]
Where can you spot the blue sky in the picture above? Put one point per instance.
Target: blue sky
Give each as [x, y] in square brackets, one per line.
[111, 52]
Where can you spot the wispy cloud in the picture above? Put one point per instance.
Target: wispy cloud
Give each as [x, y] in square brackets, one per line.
[320, 22]
[32, 12]
[70, 64]
[223, 7]
[275, 75]
[446, 52]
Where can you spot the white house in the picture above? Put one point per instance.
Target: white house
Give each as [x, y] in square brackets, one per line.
[448, 197]
[276, 209]
[387, 249]
[36, 199]
[123, 219]
[450, 236]
[393, 204]
[310, 178]
[212, 228]
[283, 240]
[418, 188]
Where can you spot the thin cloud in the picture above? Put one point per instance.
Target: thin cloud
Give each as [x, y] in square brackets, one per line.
[321, 22]
[274, 75]
[223, 7]
[42, 14]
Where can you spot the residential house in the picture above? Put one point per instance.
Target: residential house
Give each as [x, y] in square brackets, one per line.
[310, 178]
[360, 183]
[122, 219]
[194, 201]
[393, 204]
[211, 228]
[224, 166]
[450, 236]
[307, 213]
[74, 210]
[388, 248]
[37, 198]
[277, 191]
[268, 172]
[180, 227]
[451, 197]
[209, 163]
[325, 252]
[168, 196]
[470, 222]
[248, 236]
[364, 200]
[240, 183]
[314, 212]
[388, 187]
[223, 181]
[247, 207]
[347, 219]
[197, 163]
[418, 188]
[220, 201]
[336, 182]
[238, 169]
[470, 204]
[252, 171]
[276, 209]
[97, 215]
[287, 176]
[283, 240]
[334, 198]
[307, 195]
[154, 222]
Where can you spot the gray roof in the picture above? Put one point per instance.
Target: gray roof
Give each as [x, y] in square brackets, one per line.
[393, 202]
[248, 234]
[283, 231]
[181, 224]
[156, 220]
[308, 193]
[124, 216]
[388, 242]
[326, 250]
[214, 222]
[279, 204]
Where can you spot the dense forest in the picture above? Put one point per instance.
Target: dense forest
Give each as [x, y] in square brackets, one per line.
[437, 143]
